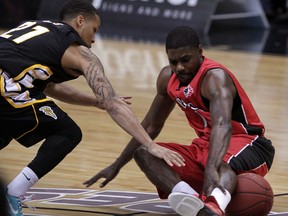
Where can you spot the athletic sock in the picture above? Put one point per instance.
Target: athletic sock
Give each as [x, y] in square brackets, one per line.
[221, 198]
[183, 187]
[22, 183]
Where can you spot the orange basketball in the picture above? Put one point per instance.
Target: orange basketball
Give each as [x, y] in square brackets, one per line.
[253, 196]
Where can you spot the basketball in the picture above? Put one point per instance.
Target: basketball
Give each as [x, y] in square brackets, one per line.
[253, 196]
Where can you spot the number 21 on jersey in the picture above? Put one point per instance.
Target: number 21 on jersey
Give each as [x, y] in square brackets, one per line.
[18, 36]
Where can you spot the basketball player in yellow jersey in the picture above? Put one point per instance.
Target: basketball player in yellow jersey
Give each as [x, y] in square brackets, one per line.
[35, 59]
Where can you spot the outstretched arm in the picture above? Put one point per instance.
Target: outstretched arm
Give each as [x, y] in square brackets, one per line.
[67, 93]
[80, 59]
[153, 122]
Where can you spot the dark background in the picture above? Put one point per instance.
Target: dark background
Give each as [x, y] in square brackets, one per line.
[273, 40]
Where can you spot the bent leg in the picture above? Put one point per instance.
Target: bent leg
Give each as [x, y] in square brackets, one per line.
[188, 178]
[55, 148]
[215, 203]
[61, 136]
[156, 170]
[41, 121]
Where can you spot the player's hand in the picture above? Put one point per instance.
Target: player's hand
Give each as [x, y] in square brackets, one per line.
[211, 181]
[109, 173]
[171, 157]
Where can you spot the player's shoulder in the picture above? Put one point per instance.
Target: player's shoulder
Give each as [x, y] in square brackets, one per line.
[164, 76]
[56, 27]
[166, 71]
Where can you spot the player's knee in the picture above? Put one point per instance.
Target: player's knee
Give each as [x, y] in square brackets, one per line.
[142, 158]
[77, 134]
[69, 137]
[140, 155]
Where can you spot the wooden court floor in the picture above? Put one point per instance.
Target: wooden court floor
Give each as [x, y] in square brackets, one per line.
[133, 69]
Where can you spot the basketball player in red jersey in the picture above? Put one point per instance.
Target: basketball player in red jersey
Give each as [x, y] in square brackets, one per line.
[36, 58]
[230, 134]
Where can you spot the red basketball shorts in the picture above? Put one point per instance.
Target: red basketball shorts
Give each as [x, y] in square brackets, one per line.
[246, 153]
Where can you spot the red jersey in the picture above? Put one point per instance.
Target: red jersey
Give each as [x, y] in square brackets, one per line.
[244, 117]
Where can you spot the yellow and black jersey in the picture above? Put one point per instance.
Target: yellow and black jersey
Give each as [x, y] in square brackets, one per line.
[30, 57]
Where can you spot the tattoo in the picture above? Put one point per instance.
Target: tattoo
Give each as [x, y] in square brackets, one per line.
[96, 78]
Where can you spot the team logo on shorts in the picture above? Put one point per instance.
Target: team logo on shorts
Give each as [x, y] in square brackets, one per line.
[48, 111]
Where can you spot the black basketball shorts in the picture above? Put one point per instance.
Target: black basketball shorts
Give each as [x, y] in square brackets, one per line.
[31, 124]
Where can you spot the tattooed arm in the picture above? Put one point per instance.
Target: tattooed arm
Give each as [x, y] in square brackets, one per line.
[80, 60]
[68, 94]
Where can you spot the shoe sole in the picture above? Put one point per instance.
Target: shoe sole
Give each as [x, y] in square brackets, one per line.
[185, 204]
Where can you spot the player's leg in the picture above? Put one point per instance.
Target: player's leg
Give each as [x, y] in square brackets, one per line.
[256, 157]
[211, 204]
[245, 154]
[56, 147]
[178, 181]
[61, 136]
[166, 178]
[156, 170]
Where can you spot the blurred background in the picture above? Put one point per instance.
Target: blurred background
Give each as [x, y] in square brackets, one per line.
[250, 37]
[251, 25]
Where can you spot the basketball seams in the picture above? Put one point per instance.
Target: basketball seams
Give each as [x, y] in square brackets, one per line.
[253, 196]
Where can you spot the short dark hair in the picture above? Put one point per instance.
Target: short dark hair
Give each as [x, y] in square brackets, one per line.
[182, 36]
[74, 8]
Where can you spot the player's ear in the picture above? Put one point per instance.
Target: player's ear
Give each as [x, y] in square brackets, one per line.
[80, 20]
[200, 49]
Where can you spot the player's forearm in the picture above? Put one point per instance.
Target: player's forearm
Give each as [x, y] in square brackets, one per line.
[133, 145]
[126, 119]
[68, 94]
[219, 143]
[81, 99]
[93, 72]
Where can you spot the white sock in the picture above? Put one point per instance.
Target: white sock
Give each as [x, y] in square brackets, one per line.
[221, 198]
[22, 183]
[183, 187]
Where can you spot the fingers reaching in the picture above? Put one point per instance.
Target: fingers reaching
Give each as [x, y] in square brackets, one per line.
[108, 173]
[92, 180]
[104, 183]
[89, 182]
[125, 99]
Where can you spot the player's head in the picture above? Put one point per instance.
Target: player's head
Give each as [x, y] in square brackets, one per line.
[184, 52]
[83, 17]
[182, 36]
[73, 8]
